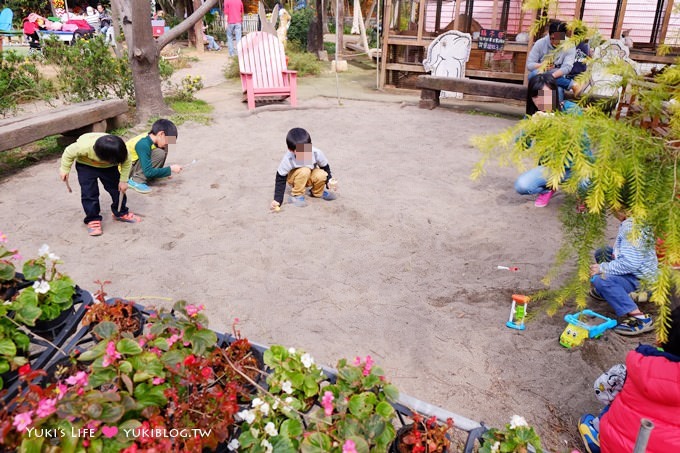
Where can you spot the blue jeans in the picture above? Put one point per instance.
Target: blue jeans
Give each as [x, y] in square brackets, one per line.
[212, 44]
[615, 288]
[532, 182]
[233, 33]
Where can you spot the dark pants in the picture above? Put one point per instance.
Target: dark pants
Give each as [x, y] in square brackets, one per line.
[89, 190]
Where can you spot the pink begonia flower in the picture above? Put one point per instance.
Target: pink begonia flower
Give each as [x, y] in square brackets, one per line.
[156, 351]
[16, 256]
[157, 381]
[111, 354]
[357, 361]
[80, 378]
[327, 402]
[173, 339]
[46, 407]
[193, 310]
[3, 238]
[349, 447]
[187, 343]
[21, 421]
[61, 391]
[141, 341]
[80, 391]
[368, 366]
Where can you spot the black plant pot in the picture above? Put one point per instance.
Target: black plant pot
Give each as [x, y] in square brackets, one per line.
[50, 329]
[9, 289]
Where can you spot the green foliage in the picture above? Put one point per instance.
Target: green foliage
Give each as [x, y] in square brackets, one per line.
[88, 70]
[299, 26]
[231, 70]
[305, 63]
[329, 47]
[516, 437]
[15, 159]
[20, 81]
[627, 159]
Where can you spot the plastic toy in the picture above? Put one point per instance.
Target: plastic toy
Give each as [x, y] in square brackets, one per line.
[582, 325]
[518, 312]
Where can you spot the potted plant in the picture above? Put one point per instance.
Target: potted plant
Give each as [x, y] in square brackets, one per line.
[423, 436]
[516, 437]
[357, 414]
[293, 373]
[11, 281]
[46, 305]
[121, 312]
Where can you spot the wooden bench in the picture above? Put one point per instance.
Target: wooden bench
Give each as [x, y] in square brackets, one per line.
[70, 120]
[432, 86]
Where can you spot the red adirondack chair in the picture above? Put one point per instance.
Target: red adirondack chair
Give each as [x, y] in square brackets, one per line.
[264, 72]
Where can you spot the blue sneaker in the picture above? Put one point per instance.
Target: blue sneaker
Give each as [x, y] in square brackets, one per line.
[139, 186]
[327, 195]
[298, 202]
[632, 326]
[589, 435]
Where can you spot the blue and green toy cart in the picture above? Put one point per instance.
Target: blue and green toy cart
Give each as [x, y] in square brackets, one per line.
[582, 325]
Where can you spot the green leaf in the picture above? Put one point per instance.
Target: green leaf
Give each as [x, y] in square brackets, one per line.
[282, 444]
[150, 395]
[171, 358]
[125, 367]
[128, 347]
[360, 406]
[316, 443]
[28, 314]
[391, 392]
[360, 444]
[7, 348]
[4, 367]
[385, 410]
[94, 353]
[291, 428]
[7, 270]
[246, 440]
[106, 329]
[32, 444]
[94, 410]
[111, 413]
[104, 376]
[33, 270]
[201, 340]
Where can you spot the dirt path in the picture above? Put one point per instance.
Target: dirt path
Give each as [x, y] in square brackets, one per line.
[403, 266]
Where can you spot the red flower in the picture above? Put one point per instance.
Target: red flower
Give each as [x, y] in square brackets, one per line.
[24, 369]
[190, 360]
[206, 372]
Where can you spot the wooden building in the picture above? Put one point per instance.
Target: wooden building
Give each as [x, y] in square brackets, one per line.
[411, 25]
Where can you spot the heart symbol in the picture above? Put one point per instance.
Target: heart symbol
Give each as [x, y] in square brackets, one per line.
[109, 431]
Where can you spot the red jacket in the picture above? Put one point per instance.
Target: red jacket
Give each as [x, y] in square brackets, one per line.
[652, 391]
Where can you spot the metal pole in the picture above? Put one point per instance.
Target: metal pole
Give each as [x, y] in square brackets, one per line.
[646, 427]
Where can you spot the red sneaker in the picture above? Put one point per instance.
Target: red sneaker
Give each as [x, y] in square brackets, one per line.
[129, 218]
[94, 228]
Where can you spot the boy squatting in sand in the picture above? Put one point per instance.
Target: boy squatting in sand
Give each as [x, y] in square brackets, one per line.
[302, 166]
[97, 156]
[148, 153]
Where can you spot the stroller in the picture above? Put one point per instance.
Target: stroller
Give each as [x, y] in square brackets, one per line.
[72, 30]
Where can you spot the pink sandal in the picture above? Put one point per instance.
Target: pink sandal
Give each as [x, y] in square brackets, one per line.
[94, 228]
[129, 218]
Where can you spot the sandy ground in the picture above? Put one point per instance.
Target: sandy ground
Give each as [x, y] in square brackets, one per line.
[402, 266]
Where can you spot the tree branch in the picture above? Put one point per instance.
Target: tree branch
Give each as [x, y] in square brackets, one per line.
[185, 25]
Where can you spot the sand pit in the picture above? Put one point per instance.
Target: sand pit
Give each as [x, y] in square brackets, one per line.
[402, 266]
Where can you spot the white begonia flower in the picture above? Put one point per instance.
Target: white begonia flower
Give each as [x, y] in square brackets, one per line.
[41, 287]
[264, 408]
[291, 350]
[270, 429]
[53, 257]
[287, 387]
[247, 416]
[495, 448]
[276, 404]
[289, 400]
[255, 432]
[233, 445]
[44, 250]
[307, 360]
[257, 402]
[268, 447]
[516, 421]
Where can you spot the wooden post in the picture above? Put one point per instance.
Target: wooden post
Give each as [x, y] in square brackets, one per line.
[619, 23]
[387, 13]
[494, 14]
[577, 9]
[421, 20]
[339, 29]
[367, 23]
[456, 16]
[198, 29]
[664, 24]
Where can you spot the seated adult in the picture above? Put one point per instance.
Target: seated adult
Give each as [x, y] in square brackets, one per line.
[563, 60]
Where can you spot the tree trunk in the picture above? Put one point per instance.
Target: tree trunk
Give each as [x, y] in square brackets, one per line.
[198, 29]
[324, 14]
[144, 52]
[315, 33]
[117, 27]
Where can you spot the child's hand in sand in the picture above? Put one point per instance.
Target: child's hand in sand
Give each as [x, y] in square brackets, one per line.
[175, 168]
[275, 206]
[63, 176]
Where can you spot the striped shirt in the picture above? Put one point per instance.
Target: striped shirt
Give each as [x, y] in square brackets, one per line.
[636, 257]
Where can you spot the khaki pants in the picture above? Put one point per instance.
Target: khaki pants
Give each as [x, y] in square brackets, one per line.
[158, 156]
[303, 177]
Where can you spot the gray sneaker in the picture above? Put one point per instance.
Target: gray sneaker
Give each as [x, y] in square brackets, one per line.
[298, 202]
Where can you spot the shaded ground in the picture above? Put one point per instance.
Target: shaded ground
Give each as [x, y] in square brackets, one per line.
[403, 266]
